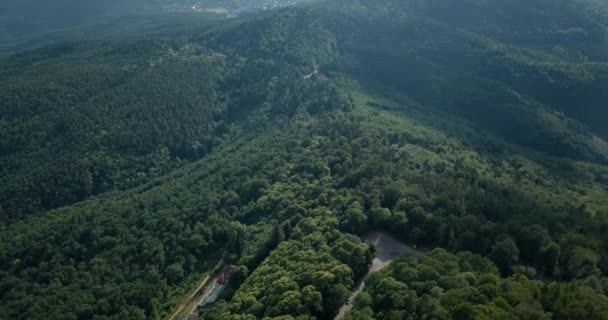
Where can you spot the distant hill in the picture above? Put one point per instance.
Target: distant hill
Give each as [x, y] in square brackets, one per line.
[119, 28]
[510, 70]
[19, 18]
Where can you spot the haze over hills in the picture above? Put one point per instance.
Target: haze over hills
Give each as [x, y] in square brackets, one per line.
[129, 165]
[19, 18]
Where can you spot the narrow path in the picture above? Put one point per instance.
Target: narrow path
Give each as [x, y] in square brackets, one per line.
[195, 295]
[388, 249]
[308, 76]
[190, 298]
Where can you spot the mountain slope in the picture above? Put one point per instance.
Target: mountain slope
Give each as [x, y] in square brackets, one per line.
[310, 168]
[107, 110]
[278, 138]
[123, 114]
[115, 114]
[544, 96]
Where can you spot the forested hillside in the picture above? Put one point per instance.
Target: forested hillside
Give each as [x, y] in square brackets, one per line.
[465, 286]
[82, 119]
[503, 79]
[129, 167]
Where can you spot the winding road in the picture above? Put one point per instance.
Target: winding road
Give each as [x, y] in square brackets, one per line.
[388, 249]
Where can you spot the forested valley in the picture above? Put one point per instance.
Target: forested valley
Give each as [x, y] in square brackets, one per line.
[131, 164]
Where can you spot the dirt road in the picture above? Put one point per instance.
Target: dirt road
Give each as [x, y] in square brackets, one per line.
[191, 298]
[189, 305]
[388, 249]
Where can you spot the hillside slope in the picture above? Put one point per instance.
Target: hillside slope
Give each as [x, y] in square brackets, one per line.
[129, 168]
[125, 113]
[546, 95]
[354, 170]
[116, 116]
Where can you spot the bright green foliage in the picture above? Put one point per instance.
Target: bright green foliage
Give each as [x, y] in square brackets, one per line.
[301, 277]
[446, 286]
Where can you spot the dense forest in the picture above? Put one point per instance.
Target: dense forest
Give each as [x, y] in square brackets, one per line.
[466, 286]
[130, 164]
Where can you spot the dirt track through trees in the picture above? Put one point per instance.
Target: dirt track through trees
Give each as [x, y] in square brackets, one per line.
[388, 249]
[195, 295]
